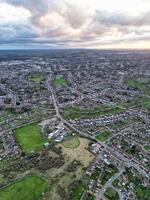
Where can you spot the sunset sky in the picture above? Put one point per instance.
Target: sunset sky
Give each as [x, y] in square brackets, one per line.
[75, 24]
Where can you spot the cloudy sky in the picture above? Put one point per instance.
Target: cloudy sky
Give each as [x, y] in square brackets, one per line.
[74, 23]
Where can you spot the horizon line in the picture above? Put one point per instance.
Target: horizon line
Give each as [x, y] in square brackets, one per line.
[116, 49]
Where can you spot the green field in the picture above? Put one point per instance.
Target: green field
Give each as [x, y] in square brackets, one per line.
[103, 136]
[141, 84]
[111, 194]
[77, 193]
[60, 81]
[71, 142]
[29, 137]
[29, 188]
[37, 78]
[146, 102]
[141, 101]
[147, 147]
[76, 112]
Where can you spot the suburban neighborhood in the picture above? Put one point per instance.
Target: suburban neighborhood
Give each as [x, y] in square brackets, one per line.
[77, 123]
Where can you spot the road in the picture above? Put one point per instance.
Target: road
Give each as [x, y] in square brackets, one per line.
[66, 122]
[121, 196]
[127, 162]
[15, 127]
[108, 184]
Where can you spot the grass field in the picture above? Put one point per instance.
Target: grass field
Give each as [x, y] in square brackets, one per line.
[29, 137]
[111, 194]
[141, 101]
[146, 102]
[36, 78]
[60, 81]
[76, 112]
[71, 142]
[29, 188]
[140, 84]
[147, 147]
[103, 136]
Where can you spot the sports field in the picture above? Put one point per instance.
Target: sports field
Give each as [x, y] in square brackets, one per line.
[37, 78]
[71, 142]
[59, 81]
[29, 137]
[28, 188]
[103, 136]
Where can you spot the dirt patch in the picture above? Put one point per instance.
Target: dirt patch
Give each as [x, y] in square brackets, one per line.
[79, 153]
[63, 178]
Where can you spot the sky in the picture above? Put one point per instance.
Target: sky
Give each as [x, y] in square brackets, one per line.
[100, 24]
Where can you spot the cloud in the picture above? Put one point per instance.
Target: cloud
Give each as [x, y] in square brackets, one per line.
[121, 19]
[71, 23]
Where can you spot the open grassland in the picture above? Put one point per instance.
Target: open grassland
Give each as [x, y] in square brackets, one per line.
[75, 112]
[29, 188]
[103, 136]
[71, 142]
[111, 194]
[37, 78]
[29, 137]
[60, 81]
